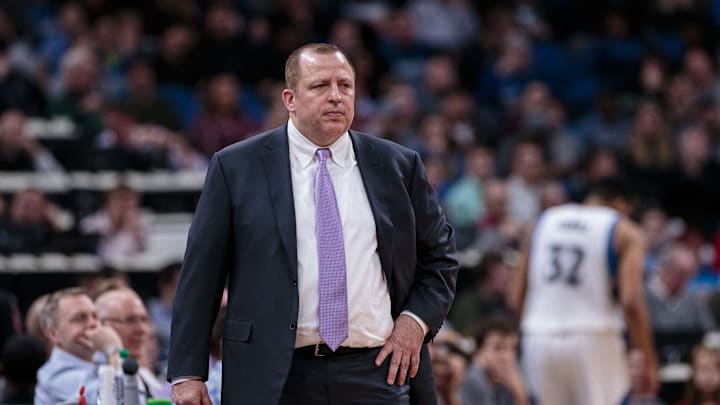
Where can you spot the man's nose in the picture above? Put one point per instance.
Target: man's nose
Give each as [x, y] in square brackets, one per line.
[334, 91]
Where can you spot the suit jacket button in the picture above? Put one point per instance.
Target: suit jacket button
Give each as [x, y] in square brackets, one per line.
[293, 325]
[294, 282]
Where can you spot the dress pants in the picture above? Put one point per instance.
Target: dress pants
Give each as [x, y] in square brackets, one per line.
[345, 379]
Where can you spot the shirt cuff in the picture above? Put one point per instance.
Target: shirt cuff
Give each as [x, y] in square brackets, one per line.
[178, 380]
[417, 319]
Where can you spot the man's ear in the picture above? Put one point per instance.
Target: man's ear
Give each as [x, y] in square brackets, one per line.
[288, 97]
[51, 333]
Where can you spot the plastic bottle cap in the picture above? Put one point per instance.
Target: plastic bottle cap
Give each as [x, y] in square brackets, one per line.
[124, 353]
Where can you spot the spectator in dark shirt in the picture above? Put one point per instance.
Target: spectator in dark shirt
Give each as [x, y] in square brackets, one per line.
[31, 224]
[18, 91]
[22, 356]
[221, 122]
[143, 99]
[494, 376]
[19, 151]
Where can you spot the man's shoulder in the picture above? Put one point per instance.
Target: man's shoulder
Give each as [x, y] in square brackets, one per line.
[254, 144]
[388, 150]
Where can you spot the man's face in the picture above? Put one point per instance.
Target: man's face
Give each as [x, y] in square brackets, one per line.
[126, 313]
[76, 318]
[497, 352]
[323, 104]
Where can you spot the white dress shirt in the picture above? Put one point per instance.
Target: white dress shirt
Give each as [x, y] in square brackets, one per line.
[369, 318]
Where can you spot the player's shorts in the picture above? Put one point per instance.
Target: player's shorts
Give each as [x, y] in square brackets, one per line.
[576, 368]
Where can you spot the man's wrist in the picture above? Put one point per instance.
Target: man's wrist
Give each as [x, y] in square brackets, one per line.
[178, 380]
[425, 328]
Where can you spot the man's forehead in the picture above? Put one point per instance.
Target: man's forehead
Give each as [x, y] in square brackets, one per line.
[313, 61]
[72, 304]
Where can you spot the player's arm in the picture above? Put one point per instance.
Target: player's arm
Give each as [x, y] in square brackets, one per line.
[630, 244]
[518, 286]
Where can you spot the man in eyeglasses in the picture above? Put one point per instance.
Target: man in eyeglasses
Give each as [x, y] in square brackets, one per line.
[123, 310]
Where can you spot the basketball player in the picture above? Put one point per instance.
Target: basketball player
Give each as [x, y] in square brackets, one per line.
[580, 271]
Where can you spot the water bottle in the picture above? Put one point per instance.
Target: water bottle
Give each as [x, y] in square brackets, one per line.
[106, 394]
[131, 394]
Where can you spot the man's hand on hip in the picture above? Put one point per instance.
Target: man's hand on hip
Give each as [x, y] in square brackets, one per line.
[191, 392]
[404, 344]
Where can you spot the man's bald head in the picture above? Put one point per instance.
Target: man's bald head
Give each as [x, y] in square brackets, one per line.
[124, 311]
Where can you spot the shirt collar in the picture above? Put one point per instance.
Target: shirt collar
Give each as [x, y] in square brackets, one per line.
[657, 286]
[304, 150]
[66, 357]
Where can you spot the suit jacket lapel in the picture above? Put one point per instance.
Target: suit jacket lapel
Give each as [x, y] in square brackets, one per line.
[372, 171]
[277, 168]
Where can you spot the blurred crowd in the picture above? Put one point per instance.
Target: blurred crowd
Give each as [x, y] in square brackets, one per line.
[515, 106]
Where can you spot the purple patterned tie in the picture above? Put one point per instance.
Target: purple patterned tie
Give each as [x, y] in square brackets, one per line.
[333, 311]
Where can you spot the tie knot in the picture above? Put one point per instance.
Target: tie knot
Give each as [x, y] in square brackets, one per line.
[323, 154]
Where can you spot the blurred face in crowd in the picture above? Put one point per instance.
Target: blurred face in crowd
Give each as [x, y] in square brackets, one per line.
[496, 199]
[677, 269]
[694, 146]
[706, 370]
[528, 162]
[435, 133]
[602, 164]
[322, 104]
[28, 207]
[121, 203]
[497, 352]
[11, 127]
[123, 310]
[76, 318]
[224, 90]
[648, 120]
[480, 163]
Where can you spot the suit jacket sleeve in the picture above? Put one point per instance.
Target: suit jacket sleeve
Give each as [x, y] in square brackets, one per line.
[202, 278]
[436, 270]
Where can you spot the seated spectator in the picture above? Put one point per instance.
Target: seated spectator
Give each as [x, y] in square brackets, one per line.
[704, 385]
[71, 322]
[671, 306]
[143, 98]
[651, 150]
[496, 229]
[660, 231]
[123, 310]
[464, 199]
[449, 367]
[9, 317]
[494, 376]
[119, 224]
[18, 150]
[33, 321]
[80, 95]
[22, 356]
[160, 308]
[126, 144]
[18, 91]
[221, 122]
[525, 182]
[31, 224]
[487, 297]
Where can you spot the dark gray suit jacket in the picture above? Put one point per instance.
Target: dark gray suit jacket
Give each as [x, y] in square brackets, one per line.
[244, 231]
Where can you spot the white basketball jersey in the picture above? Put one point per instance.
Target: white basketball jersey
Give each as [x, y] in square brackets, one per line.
[570, 277]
